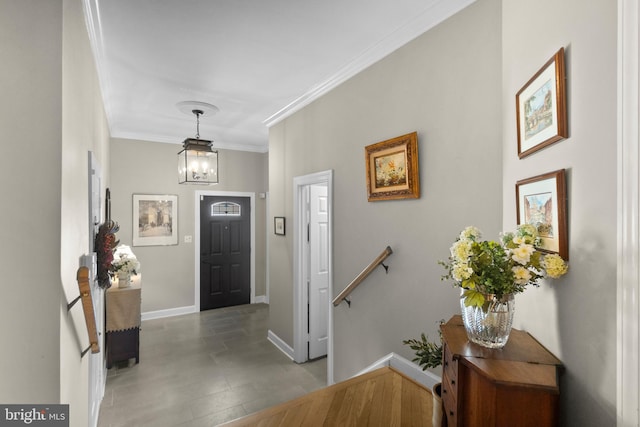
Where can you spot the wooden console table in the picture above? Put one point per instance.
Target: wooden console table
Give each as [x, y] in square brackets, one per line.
[123, 323]
[517, 385]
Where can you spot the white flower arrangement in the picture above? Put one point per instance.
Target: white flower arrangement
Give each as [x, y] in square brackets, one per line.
[125, 261]
[488, 267]
[124, 264]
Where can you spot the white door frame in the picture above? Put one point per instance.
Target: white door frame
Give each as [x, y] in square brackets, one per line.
[97, 362]
[252, 197]
[299, 281]
[628, 280]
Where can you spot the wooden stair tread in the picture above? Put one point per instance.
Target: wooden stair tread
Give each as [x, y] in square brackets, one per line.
[382, 397]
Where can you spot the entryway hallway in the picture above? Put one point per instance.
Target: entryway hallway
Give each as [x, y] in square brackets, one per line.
[205, 369]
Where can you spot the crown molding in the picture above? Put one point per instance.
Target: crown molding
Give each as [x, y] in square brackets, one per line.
[94, 31]
[217, 145]
[434, 14]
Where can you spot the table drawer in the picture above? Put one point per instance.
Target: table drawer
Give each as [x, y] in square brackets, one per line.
[449, 402]
[449, 387]
[450, 364]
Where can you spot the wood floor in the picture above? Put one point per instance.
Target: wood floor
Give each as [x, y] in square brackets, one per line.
[383, 397]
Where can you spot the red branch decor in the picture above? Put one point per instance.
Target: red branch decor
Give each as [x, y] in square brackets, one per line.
[105, 244]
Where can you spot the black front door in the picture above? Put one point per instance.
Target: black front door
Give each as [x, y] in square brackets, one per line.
[225, 251]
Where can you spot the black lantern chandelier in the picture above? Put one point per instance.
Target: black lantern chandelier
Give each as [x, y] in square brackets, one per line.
[197, 162]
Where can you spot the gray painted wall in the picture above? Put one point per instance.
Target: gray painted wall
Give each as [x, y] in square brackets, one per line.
[446, 86]
[50, 100]
[576, 316]
[151, 168]
[31, 115]
[84, 128]
[425, 86]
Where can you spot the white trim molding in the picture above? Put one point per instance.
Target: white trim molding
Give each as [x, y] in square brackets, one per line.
[280, 344]
[628, 229]
[408, 368]
[94, 31]
[299, 297]
[170, 312]
[434, 13]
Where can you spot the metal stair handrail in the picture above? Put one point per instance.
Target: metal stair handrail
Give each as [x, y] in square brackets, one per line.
[342, 296]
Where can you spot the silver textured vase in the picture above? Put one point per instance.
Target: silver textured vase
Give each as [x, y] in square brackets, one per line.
[489, 325]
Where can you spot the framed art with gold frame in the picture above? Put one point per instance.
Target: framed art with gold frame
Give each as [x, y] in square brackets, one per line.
[392, 169]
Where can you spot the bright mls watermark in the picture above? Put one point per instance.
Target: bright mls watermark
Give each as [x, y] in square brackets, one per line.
[34, 415]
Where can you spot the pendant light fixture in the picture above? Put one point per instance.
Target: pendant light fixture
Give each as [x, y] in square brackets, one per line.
[197, 162]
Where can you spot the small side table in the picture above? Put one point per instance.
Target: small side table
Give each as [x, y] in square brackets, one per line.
[123, 322]
[517, 385]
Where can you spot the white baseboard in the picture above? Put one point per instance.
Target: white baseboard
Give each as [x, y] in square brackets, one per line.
[280, 344]
[178, 311]
[405, 366]
[261, 299]
[170, 312]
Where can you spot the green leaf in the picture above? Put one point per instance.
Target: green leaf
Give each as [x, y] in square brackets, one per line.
[428, 354]
[473, 298]
[469, 284]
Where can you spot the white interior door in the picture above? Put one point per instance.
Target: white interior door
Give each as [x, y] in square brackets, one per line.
[318, 280]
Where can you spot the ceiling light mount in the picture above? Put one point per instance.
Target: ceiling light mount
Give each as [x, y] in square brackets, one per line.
[207, 109]
[198, 113]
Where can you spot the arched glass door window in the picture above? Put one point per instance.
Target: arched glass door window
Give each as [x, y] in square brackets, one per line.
[225, 209]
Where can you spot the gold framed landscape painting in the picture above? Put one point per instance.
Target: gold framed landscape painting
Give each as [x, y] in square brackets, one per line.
[541, 108]
[542, 202]
[392, 169]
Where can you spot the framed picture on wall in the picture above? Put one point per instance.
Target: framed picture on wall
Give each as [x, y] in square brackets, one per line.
[542, 202]
[155, 220]
[279, 225]
[541, 108]
[392, 169]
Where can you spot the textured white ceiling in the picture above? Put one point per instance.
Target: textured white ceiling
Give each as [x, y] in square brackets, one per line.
[256, 60]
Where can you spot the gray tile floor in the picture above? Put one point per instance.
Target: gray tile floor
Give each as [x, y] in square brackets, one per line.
[204, 369]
